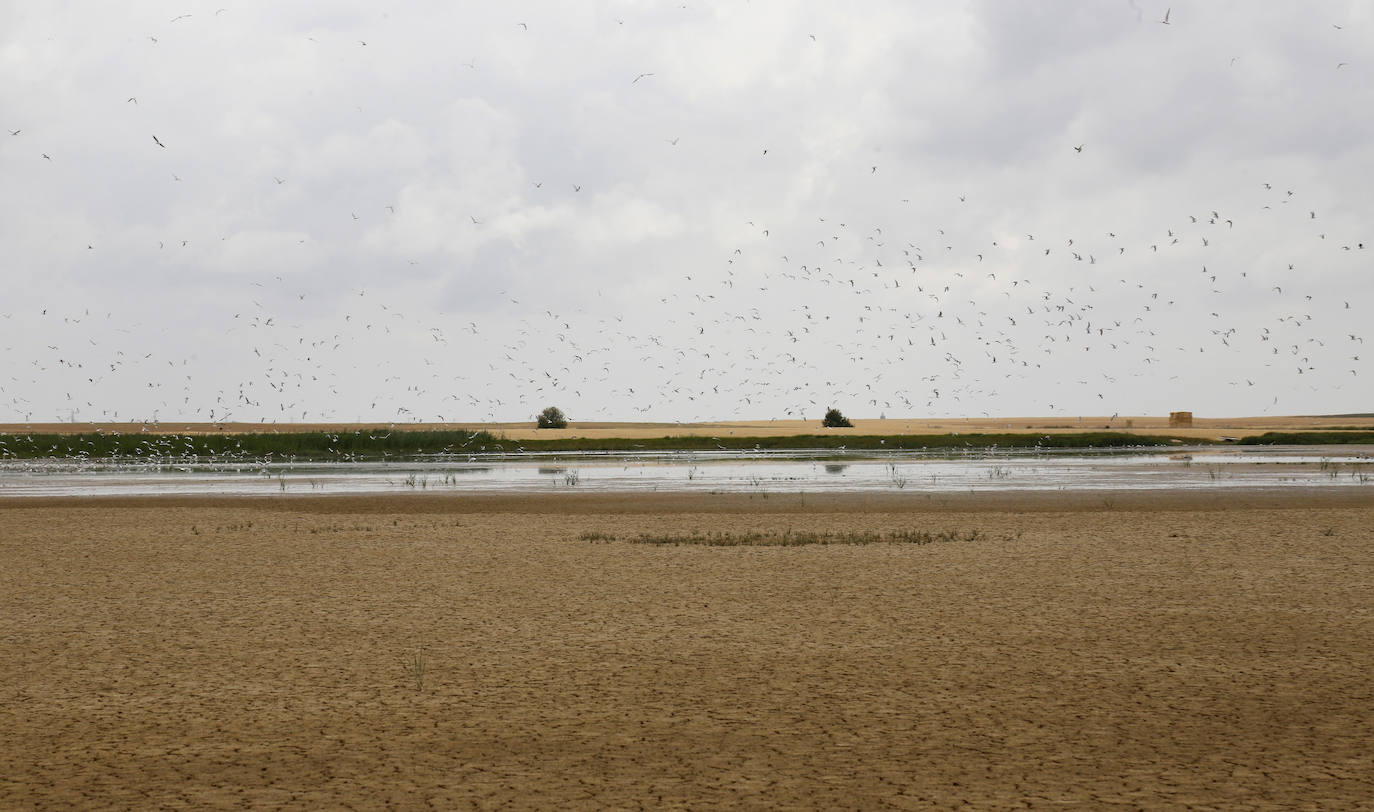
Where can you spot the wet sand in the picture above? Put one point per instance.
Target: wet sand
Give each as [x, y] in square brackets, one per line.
[1131, 649]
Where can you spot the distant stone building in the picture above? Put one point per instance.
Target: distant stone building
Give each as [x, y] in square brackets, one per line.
[1180, 420]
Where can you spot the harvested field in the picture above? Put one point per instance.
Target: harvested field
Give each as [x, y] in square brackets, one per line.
[1206, 428]
[1147, 649]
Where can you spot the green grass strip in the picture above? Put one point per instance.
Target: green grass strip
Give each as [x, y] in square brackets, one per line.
[378, 445]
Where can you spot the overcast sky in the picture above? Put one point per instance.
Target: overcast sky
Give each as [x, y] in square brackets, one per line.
[688, 211]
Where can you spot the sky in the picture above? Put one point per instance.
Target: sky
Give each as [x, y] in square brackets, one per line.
[684, 211]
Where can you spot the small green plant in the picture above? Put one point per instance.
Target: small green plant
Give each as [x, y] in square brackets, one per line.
[552, 418]
[834, 420]
[415, 669]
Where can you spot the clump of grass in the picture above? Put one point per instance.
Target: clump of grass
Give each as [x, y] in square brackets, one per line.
[594, 536]
[800, 538]
[415, 669]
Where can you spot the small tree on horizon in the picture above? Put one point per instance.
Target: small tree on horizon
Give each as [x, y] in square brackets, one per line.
[835, 420]
[552, 418]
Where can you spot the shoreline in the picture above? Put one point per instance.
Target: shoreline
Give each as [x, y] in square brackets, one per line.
[630, 503]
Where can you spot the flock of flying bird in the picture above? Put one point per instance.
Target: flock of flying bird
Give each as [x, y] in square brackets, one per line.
[870, 313]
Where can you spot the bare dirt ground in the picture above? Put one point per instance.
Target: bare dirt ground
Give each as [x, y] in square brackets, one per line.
[1137, 650]
[1203, 427]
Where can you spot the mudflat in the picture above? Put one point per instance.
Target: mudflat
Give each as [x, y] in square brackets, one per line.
[476, 651]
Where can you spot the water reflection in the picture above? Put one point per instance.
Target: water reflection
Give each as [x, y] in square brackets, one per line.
[716, 472]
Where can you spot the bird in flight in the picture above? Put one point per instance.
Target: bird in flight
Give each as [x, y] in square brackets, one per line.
[16, 132]
[640, 76]
[1078, 148]
[179, 17]
[1166, 16]
[159, 143]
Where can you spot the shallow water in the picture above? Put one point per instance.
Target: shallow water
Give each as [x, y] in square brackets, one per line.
[776, 472]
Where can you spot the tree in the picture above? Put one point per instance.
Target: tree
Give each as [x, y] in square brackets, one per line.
[835, 420]
[552, 418]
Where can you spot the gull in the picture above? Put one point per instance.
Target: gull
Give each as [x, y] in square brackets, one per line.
[133, 99]
[474, 220]
[16, 132]
[279, 181]
[1165, 21]
[640, 76]
[1078, 148]
[159, 143]
[179, 17]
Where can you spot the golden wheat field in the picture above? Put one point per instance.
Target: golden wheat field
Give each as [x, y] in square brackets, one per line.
[467, 651]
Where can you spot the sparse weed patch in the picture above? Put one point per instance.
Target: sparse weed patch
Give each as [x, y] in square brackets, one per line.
[800, 538]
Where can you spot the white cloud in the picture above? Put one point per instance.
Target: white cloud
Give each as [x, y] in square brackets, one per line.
[795, 205]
